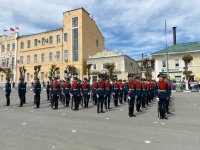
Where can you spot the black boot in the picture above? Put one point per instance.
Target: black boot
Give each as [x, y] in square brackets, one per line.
[102, 108]
[129, 112]
[164, 115]
[132, 112]
[161, 114]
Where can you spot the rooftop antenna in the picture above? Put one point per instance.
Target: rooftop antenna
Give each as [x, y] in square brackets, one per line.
[167, 50]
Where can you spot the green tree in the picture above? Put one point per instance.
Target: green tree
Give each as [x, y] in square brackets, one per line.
[22, 72]
[110, 67]
[52, 71]
[71, 70]
[37, 70]
[88, 68]
[187, 59]
[8, 73]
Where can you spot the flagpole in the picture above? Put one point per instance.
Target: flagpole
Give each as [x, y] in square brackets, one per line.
[167, 50]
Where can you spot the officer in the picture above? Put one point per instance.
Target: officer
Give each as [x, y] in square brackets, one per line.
[138, 94]
[37, 92]
[67, 88]
[75, 90]
[55, 92]
[108, 91]
[125, 85]
[131, 95]
[144, 92]
[7, 91]
[100, 94]
[162, 95]
[21, 91]
[115, 90]
[94, 91]
[47, 90]
[85, 90]
[121, 87]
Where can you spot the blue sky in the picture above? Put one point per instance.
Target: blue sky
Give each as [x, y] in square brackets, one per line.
[131, 26]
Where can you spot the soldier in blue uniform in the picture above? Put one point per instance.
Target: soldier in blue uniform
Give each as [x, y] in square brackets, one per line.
[25, 92]
[55, 92]
[75, 90]
[100, 94]
[21, 91]
[94, 91]
[37, 92]
[115, 90]
[125, 85]
[108, 91]
[67, 88]
[144, 92]
[85, 90]
[47, 90]
[7, 92]
[138, 94]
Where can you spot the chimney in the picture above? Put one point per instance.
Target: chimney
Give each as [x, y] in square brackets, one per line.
[174, 35]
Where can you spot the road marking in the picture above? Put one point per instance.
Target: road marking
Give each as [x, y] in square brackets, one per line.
[195, 104]
[106, 118]
[155, 122]
[148, 142]
[74, 131]
[121, 110]
[63, 114]
[32, 111]
[6, 108]
[162, 123]
[23, 124]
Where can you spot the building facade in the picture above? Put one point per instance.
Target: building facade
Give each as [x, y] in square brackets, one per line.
[68, 46]
[176, 64]
[123, 64]
[8, 55]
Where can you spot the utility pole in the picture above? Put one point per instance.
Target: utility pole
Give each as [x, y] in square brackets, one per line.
[167, 51]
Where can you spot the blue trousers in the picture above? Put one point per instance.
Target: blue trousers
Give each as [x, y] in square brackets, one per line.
[132, 102]
[162, 103]
[55, 99]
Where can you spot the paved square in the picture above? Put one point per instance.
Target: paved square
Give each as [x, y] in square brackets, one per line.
[27, 128]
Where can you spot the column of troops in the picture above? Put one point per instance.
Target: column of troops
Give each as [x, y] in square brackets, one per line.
[137, 93]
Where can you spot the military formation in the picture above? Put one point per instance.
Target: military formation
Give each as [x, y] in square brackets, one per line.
[138, 93]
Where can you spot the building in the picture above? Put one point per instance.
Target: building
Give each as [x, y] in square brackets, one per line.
[176, 64]
[70, 45]
[123, 64]
[8, 51]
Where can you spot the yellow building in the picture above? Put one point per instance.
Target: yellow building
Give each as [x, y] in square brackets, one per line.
[8, 51]
[123, 64]
[70, 45]
[176, 64]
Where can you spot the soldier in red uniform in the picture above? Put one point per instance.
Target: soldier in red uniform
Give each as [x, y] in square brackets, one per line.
[138, 93]
[115, 90]
[75, 90]
[100, 94]
[108, 91]
[121, 87]
[56, 92]
[94, 91]
[125, 85]
[144, 92]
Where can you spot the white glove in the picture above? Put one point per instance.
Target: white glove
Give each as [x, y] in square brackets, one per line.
[157, 99]
[113, 93]
[129, 97]
[97, 96]
[88, 93]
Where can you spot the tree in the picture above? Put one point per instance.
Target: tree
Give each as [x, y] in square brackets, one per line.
[53, 70]
[8, 73]
[88, 67]
[22, 72]
[71, 70]
[148, 65]
[37, 70]
[110, 67]
[187, 59]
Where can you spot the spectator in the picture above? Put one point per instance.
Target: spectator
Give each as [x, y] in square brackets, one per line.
[181, 85]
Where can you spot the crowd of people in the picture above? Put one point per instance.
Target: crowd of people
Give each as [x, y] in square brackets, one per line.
[138, 93]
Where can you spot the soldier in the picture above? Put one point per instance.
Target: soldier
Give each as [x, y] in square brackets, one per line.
[148, 91]
[7, 91]
[94, 91]
[67, 88]
[37, 92]
[115, 90]
[100, 94]
[144, 92]
[47, 90]
[138, 94]
[55, 92]
[162, 95]
[131, 95]
[108, 91]
[21, 91]
[25, 92]
[85, 89]
[75, 90]
[121, 87]
[125, 85]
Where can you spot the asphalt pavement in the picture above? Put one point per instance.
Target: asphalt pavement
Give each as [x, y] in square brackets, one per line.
[27, 128]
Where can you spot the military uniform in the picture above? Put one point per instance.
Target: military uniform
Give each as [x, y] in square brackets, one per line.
[25, 92]
[21, 92]
[138, 94]
[67, 88]
[125, 85]
[55, 92]
[47, 90]
[85, 90]
[94, 92]
[121, 87]
[108, 91]
[144, 92]
[100, 95]
[75, 90]
[37, 92]
[115, 89]
[7, 92]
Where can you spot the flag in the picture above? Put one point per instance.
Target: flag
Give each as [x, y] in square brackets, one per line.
[11, 29]
[17, 28]
[5, 30]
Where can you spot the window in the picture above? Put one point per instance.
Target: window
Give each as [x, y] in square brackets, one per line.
[43, 41]
[2, 48]
[65, 54]
[164, 63]
[65, 37]
[75, 22]
[58, 55]
[115, 65]
[21, 59]
[8, 47]
[28, 44]
[22, 45]
[58, 74]
[58, 38]
[94, 78]
[13, 46]
[35, 42]
[176, 62]
[42, 76]
[42, 57]
[50, 39]
[94, 66]
[97, 43]
[27, 76]
[75, 44]
[28, 59]
[104, 66]
[191, 63]
[115, 76]
[50, 56]
[35, 57]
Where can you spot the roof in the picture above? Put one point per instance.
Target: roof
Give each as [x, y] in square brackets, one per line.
[180, 48]
[77, 9]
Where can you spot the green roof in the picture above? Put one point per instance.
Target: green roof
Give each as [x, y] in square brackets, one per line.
[180, 48]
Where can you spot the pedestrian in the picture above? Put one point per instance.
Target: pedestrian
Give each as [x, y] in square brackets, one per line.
[7, 91]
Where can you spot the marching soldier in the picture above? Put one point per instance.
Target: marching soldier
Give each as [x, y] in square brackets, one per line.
[108, 91]
[94, 91]
[37, 92]
[67, 88]
[121, 87]
[144, 92]
[85, 89]
[125, 85]
[7, 91]
[47, 90]
[162, 95]
[115, 90]
[131, 95]
[55, 92]
[138, 94]
[89, 88]
[148, 91]
[100, 94]
[21, 91]
[75, 90]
